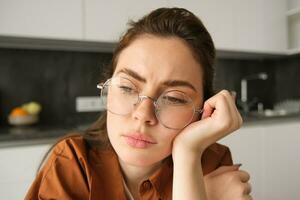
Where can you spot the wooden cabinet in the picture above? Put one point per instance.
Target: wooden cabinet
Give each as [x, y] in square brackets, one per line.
[18, 167]
[59, 19]
[270, 154]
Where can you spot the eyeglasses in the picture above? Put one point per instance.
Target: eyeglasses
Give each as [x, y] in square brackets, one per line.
[173, 109]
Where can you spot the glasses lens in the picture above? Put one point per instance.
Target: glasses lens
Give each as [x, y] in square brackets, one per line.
[175, 109]
[119, 95]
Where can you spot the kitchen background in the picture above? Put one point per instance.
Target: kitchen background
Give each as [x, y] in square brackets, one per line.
[54, 52]
[56, 78]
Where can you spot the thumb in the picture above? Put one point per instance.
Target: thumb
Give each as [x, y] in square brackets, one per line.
[207, 110]
[224, 169]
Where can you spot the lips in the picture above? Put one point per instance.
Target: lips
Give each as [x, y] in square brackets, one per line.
[138, 140]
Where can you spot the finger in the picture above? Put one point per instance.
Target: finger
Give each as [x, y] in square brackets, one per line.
[234, 113]
[216, 109]
[224, 169]
[226, 112]
[243, 176]
[207, 110]
[228, 99]
[233, 95]
[248, 188]
[213, 104]
[238, 115]
[248, 197]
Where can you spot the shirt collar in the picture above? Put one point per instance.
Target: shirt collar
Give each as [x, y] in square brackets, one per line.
[106, 175]
[107, 161]
[162, 177]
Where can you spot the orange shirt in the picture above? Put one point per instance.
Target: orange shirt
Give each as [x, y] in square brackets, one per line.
[74, 170]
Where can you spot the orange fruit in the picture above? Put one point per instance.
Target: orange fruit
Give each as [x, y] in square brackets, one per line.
[18, 111]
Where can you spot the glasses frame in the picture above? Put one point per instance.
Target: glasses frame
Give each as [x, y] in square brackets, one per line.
[101, 86]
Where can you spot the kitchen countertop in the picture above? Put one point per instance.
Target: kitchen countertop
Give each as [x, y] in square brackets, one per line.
[35, 135]
[259, 120]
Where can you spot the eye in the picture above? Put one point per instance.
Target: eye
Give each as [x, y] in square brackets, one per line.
[171, 100]
[127, 89]
[175, 98]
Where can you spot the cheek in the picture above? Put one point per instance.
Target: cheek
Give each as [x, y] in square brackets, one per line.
[109, 121]
[166, 138]
[112, 129]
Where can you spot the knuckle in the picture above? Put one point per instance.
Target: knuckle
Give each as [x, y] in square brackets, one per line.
[231, 176]
[241, 121]
[222, 96]
[225, 93]
[249, 188]
[241, 189]
[238, 121]
[246, 174]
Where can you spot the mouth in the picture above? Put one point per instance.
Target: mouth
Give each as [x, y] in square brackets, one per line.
[138, 140]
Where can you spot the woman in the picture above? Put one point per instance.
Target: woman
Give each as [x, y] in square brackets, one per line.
[162, 122]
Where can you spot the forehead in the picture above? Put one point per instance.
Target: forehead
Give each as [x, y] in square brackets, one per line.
[161, 58]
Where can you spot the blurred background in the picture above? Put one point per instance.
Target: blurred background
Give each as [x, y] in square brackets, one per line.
[53, 53]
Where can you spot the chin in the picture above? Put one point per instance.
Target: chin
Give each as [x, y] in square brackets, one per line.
[137, 157]
[134, 161]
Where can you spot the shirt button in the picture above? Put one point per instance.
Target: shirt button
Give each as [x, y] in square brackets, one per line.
[147, 185]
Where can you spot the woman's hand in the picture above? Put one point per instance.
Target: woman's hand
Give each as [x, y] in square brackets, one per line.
[220, 117]
[228, 183]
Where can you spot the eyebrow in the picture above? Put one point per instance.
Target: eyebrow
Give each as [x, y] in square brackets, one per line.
[132, 74]
[170, 83]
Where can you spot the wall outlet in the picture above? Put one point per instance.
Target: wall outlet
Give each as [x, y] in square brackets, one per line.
[89, 104]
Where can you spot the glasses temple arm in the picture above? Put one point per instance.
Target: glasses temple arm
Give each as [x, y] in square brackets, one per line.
[199, 111]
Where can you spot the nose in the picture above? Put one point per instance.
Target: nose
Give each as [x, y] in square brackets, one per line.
[144, 111]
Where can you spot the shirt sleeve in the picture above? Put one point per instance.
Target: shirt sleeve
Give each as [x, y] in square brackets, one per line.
[214, 156]
[61, 177]
[226, 158]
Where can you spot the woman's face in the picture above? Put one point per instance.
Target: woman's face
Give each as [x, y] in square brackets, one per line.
[155, 65]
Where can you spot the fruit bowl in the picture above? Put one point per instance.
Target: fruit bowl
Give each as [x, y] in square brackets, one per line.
[26, 114]
[23, 120]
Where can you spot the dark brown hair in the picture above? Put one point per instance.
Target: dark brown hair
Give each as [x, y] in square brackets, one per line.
[171, 22]
[163, 22]
[180, 23]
